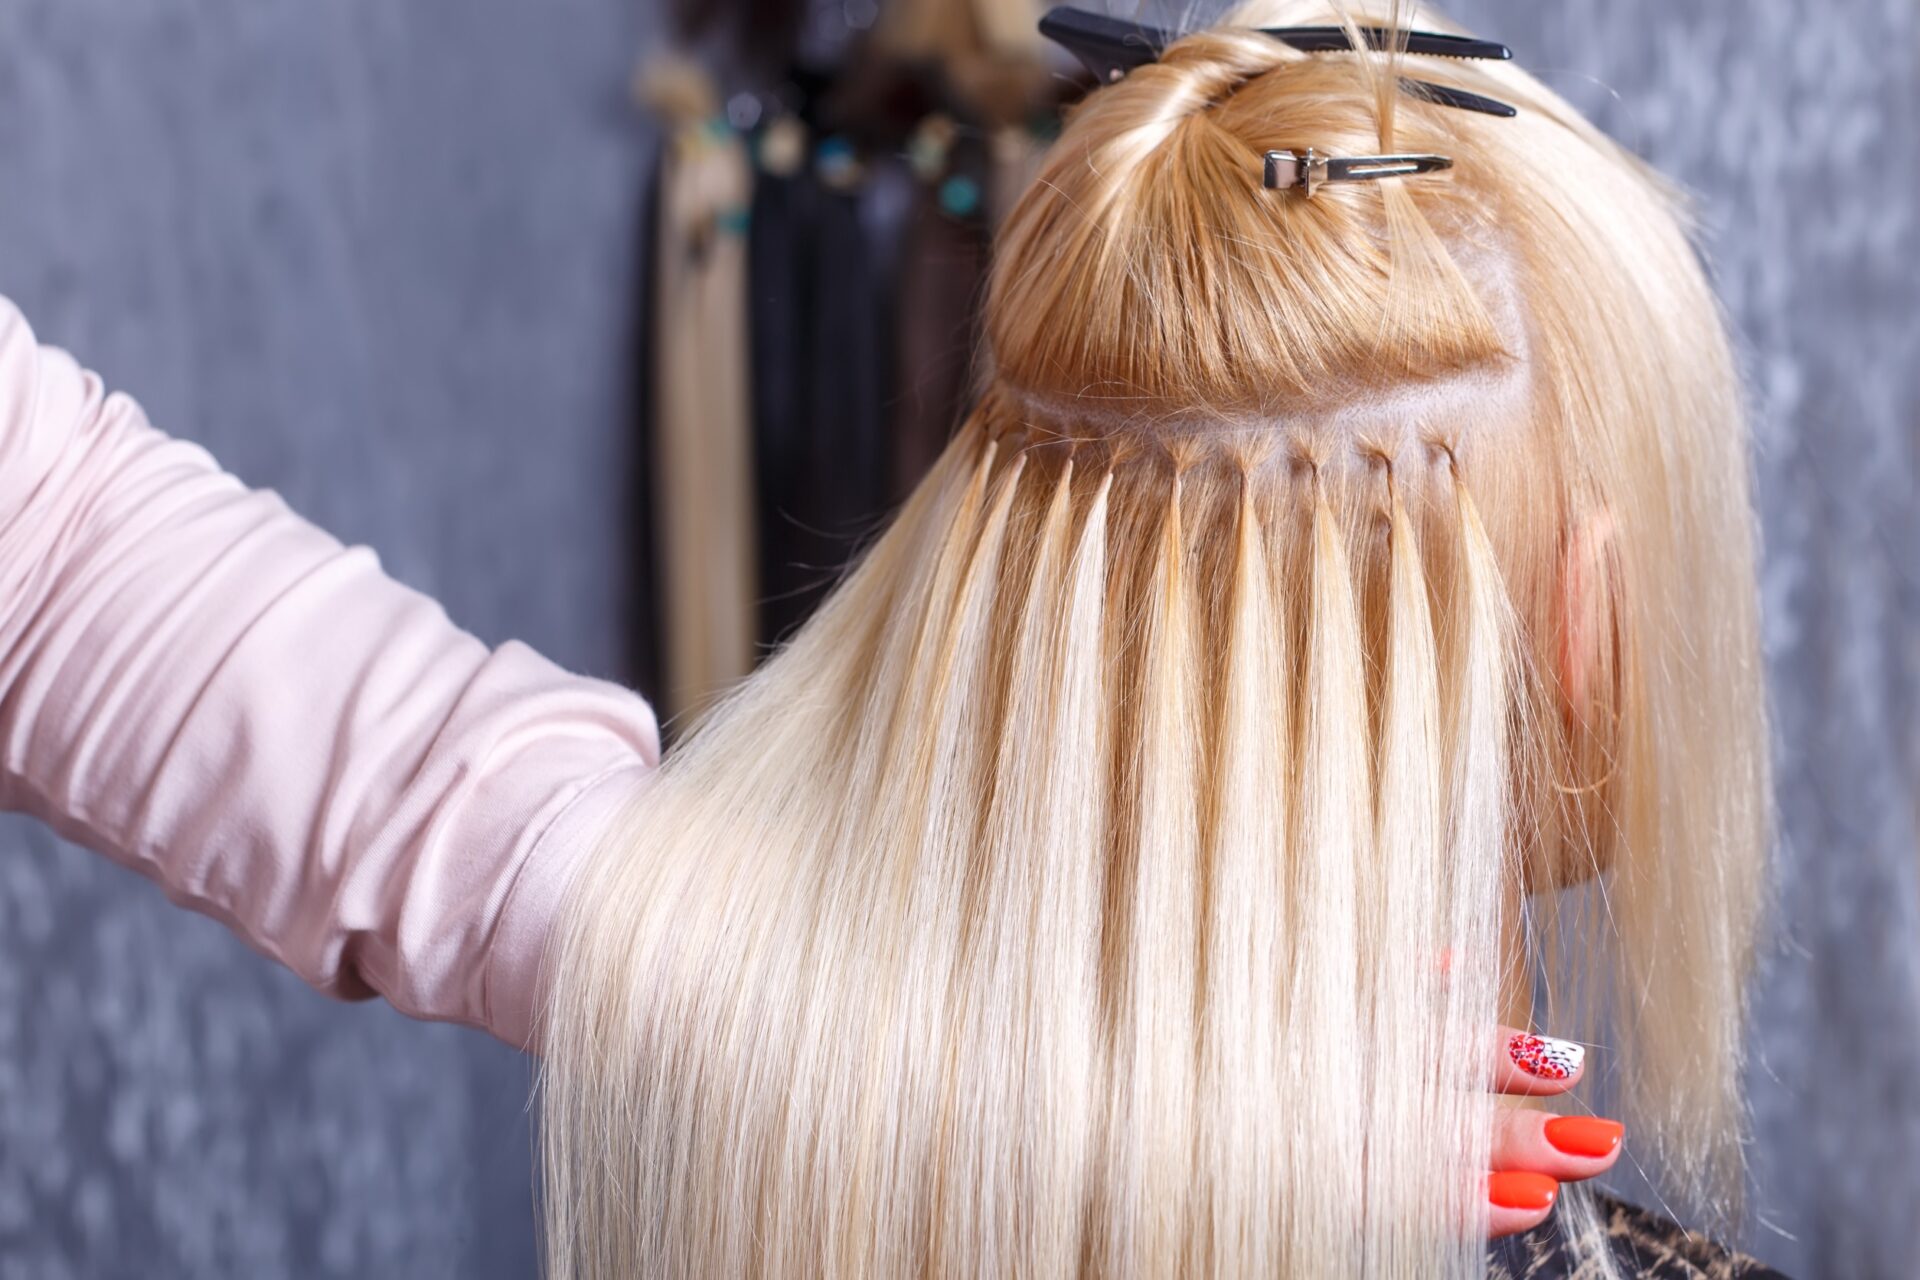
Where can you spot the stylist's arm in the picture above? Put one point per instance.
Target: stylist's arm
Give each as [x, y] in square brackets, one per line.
[206, 688]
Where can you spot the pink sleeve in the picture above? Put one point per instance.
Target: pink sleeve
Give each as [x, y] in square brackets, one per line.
[206, 688]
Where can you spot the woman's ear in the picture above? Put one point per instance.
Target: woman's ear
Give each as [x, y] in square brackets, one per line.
[1587, 672]
[1585, 613]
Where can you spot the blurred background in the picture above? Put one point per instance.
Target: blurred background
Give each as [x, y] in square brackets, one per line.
[405, 261]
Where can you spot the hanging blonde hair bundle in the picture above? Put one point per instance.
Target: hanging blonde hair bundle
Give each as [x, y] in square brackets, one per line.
[1125, 871]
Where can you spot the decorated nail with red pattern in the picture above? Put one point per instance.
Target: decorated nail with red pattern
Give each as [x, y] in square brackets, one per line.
[1545, 1057]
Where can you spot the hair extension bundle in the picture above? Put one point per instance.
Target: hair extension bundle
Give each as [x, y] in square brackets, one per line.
[703, 491]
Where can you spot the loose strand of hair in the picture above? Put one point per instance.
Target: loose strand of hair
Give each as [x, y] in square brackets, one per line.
[1242, 1127]
[1324, 1187]
[1154, 903]
[909, 895]
[1481, 871]
[1416, 1118]
[992, 1203]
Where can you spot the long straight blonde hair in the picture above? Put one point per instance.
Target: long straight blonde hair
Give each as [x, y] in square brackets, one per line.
[1116, 877]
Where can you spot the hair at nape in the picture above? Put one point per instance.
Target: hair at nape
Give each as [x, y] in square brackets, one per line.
[1332, 632]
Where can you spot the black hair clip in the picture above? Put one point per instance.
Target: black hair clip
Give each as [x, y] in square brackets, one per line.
[1111, 47]
[1429, 44]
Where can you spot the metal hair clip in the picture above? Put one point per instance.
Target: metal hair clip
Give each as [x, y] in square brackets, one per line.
[1111, 47]
[1308, 169]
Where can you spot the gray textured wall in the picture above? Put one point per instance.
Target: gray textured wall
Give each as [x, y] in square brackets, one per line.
[377, 254]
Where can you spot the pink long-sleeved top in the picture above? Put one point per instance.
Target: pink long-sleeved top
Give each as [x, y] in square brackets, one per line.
[206, 688]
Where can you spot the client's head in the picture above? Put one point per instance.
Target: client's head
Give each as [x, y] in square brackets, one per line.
[1116, 876]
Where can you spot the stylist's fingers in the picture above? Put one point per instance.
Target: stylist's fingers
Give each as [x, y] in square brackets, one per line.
[1533, 1153]
[1518, 1200]
[1565, 1148]
[1525, 1063]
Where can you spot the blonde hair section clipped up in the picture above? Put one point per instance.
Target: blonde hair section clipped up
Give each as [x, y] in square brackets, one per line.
[1117, 877]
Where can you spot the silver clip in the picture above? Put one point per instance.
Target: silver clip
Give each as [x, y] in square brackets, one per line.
[1308, 169]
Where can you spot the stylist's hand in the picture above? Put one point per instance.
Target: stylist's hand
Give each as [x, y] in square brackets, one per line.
[1533, 1151]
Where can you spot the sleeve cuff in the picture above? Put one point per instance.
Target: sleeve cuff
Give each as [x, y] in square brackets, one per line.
[516, 963]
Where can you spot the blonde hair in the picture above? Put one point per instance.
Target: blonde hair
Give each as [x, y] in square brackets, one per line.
[1114, 878]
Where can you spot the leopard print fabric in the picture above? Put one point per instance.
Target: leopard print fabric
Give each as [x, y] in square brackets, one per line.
[1645, 1246]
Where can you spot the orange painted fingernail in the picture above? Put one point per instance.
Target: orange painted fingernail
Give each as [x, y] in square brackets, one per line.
[1521, 1190]
[1587, 1136]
